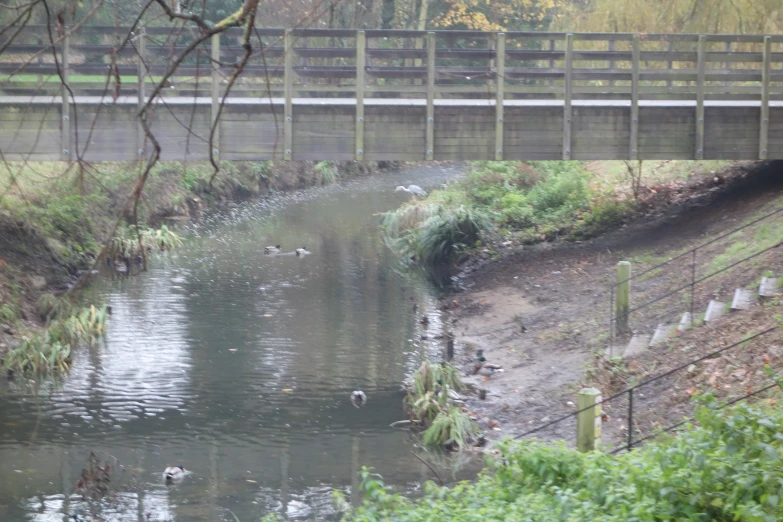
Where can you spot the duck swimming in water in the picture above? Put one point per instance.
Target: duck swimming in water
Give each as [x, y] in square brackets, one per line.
[358, 397]
[272, 249]
[174, 473]
[302, 251]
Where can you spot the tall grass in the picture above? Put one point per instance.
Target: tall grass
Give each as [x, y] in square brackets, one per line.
[126, 243]
[52, 350]
[427, 402]
[450, 426]
[435, 234]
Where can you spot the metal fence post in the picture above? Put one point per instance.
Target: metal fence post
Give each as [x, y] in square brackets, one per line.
[623, 298]
[588, 422]
[693, 283]
[630, 418]
[611, 320]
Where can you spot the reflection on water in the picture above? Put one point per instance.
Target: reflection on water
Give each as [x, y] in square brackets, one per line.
[239, 367]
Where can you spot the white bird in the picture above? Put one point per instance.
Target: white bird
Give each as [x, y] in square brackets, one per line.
[412, 189]
[174, 473]
[358, 398]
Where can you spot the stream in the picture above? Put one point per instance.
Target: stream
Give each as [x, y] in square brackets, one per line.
[239, 366]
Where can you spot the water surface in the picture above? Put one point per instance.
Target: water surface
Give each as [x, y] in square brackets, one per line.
[239, 367]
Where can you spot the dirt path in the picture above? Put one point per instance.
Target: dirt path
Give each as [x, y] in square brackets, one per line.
[540, 312]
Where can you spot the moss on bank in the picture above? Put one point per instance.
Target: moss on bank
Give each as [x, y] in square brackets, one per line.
[54, 218]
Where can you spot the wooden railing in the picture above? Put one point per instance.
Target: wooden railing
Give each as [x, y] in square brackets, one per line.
[504, 69]
[464, 64]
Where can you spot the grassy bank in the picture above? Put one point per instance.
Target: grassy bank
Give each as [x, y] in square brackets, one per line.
[725, 467]
[507, 203]
[54, 220]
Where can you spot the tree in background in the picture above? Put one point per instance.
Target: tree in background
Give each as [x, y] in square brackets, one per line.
[675, 16]
[496, 15]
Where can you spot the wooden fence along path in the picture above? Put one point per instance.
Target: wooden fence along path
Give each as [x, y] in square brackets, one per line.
[315, 94]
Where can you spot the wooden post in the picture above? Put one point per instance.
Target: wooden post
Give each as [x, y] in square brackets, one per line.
[623, 296]
[65, 136]
[567, 97]
[215, 48]
[361, 53]
[633, 152]
[430, 138]
[670, 63]
[700, 98]
[764, 119]
[288, 87]
[141, 93]
[499, 86]
[727, 66]
[551, 62]
[588, 422]
[611, 63]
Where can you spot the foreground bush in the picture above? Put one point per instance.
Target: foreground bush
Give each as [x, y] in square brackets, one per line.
[727, 468]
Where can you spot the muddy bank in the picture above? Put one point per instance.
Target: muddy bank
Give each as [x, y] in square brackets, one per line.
[50, 234]
[542, 311]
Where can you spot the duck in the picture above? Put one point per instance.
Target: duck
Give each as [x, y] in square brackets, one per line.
[484, 368]
[174, 473]
[272, 249]
[358, 397]
[454, 396]
[302, 251]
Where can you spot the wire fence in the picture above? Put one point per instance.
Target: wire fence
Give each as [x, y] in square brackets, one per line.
[637, 414]
[669, 306]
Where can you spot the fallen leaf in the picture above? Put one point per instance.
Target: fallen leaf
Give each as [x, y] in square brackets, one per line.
[288, 390]
[251, 481]
[692, 391]
[765, 358]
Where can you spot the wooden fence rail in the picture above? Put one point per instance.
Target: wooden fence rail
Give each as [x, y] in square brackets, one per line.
[376, 94]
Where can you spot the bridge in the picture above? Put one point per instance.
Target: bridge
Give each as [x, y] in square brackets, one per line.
[326, 94]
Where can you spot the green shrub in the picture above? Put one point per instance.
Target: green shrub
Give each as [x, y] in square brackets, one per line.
[604, 214]
[516, 211]
[560, 192]
[728, 468]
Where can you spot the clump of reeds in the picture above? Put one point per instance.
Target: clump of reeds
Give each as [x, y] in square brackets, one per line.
[429, 404]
